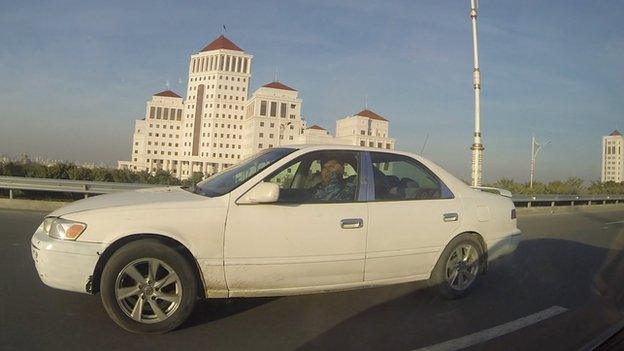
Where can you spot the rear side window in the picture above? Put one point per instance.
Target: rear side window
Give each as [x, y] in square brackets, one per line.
[398, 177]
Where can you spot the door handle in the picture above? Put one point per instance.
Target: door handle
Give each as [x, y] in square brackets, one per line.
[450, 217]
[351, 223]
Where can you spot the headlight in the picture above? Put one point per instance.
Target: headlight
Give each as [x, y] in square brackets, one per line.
[63, 229]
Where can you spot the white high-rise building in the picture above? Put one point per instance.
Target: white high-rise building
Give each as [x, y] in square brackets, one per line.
[365, 128]
[613, 157]
[217, 126]
[272, 118]
[156, 143]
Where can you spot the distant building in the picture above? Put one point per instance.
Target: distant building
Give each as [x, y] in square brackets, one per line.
[272, 118]
[365, 128]
[613, 157]
[217, 125]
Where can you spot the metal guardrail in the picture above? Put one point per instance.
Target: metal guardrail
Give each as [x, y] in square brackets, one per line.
[565, 200]
[66, 186]
[88, 188]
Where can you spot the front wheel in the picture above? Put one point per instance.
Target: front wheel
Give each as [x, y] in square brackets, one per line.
[459, 267]
[148, 287]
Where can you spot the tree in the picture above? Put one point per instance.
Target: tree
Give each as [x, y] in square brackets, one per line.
[79, 173]
[195, 178]
[101, 174]
[163, 177]
[123, 176]
[58, 171]
[35, 170]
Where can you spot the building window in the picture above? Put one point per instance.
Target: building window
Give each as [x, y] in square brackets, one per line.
[273, 108]
[263, 108]
[283, 110]
[259, 146]
[152, 112]
[362, 143]
[158, 112]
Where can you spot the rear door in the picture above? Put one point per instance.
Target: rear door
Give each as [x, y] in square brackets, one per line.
[411, 216]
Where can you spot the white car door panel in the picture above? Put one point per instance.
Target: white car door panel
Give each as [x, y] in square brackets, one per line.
[289, 246]
[306, 245]
[411, 218]
[405, 237]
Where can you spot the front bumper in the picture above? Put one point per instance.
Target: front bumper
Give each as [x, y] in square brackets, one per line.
[504, 246]
[65, 265]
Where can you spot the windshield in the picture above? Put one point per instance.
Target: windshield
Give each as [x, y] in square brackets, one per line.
[226, 181]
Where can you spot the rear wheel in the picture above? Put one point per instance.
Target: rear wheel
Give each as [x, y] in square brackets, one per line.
[148, 287]
[459, 267]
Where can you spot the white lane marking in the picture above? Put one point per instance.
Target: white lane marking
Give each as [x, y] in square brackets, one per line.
[616, 222]
[494, 332]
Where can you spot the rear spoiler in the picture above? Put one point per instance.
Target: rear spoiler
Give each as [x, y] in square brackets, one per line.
[502, 192]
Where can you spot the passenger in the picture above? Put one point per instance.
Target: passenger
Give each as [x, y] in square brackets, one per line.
[333, 187]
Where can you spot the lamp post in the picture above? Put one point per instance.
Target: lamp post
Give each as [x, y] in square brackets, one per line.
[535, 148]
[477, 148]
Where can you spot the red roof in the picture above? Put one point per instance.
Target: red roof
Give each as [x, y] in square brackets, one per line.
[221, 43]
[615, 132]
[167, 93]
[317, 127]
[278, 85]
[370, 114]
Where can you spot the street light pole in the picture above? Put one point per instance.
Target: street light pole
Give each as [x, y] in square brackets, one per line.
[477, 148]
[535, 148]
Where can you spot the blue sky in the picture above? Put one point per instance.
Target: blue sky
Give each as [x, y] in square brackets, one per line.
[76, 74]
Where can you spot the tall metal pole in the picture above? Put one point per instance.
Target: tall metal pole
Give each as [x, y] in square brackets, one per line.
[477, 147]
[535, 148]
[532, 162]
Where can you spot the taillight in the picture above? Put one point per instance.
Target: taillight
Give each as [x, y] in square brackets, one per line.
[513, 213]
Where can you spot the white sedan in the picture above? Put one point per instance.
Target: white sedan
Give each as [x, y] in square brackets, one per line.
[289, 220]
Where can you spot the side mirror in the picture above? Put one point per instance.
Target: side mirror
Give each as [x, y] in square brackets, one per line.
[262, 193]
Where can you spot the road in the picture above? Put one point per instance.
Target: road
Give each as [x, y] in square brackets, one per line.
[550, 276]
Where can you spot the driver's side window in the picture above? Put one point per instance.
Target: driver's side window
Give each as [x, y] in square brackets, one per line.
[319, 177]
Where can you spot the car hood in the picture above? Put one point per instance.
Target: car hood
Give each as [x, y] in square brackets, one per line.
[160, 195]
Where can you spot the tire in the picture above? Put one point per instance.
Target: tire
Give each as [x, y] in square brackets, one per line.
[165, 301]
[464, 276]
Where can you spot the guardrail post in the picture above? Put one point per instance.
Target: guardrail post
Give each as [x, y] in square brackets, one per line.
[589, 203]
[552, 204]
[528, 204]
[10, 194]
[85, 187]
[571, 203]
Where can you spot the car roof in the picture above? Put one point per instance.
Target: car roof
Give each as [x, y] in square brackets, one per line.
[311, 147]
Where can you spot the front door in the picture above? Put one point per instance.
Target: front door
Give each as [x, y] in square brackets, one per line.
[411, 217]
[312, 239]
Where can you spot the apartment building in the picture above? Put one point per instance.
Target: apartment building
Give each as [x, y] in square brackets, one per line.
[218, 124]
[613, 157]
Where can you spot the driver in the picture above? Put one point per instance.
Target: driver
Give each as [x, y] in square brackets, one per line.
[332, 186]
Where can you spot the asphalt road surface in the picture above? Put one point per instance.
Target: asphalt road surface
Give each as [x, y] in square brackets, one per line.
[542, 299]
